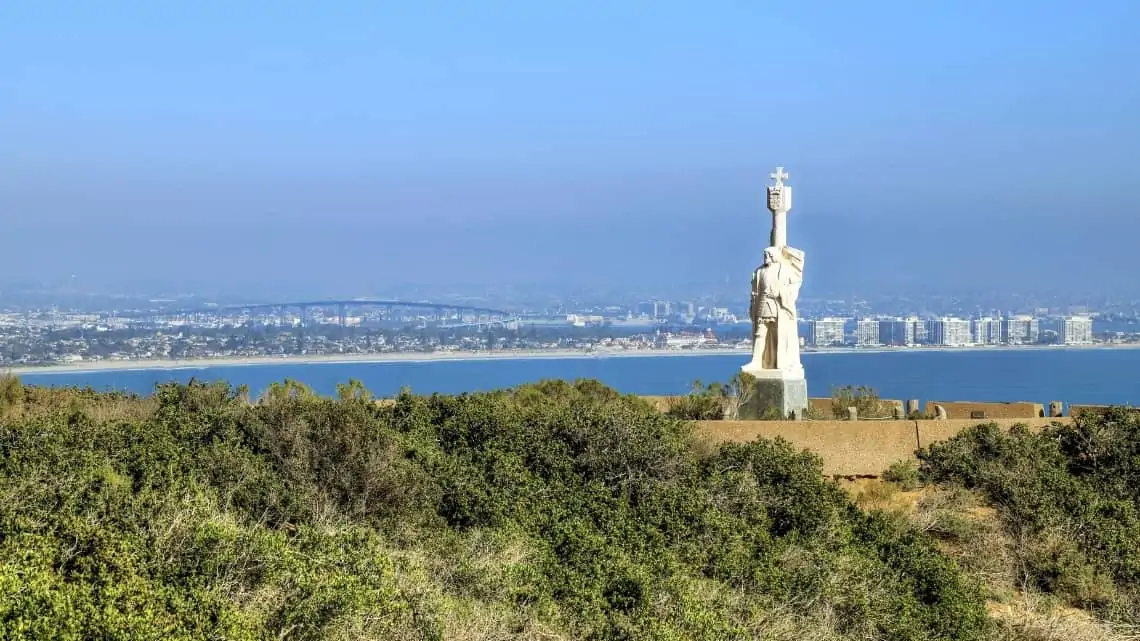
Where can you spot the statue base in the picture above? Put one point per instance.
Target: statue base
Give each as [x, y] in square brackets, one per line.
[776, 394]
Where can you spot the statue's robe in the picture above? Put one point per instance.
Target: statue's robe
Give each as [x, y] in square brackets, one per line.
[775, 288]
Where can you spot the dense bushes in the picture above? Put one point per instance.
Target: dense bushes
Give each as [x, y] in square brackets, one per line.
[553, 510]
[717, 401]
[11, 394]
[1069, 498]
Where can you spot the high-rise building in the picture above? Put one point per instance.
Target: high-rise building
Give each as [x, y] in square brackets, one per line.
[987, 331]
[1022, 330]
[662, 309]
[950, 332]
[921, 333]
[867, 332]
[902, 331]
[1076, 330]
[896, 332]
[826, 331]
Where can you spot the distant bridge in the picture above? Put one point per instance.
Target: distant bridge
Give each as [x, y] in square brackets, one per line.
[342, 305]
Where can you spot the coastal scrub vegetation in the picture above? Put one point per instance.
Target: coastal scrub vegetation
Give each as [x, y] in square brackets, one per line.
[549, 511]
[864, 399]
[1067, 498]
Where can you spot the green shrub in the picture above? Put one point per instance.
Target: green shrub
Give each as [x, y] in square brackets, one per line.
[553, 509]
[903, 473]
[1069, 495]
[865, 400]
[700, 404]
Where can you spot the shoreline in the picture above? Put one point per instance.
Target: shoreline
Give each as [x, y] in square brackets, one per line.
[432, 357]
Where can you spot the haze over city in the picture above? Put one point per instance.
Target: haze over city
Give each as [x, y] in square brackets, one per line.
[308, 149]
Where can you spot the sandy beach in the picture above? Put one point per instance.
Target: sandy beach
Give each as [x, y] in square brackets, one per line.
[395, 357]
[398, 357]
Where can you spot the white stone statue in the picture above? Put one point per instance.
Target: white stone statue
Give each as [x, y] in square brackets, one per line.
[775, 288]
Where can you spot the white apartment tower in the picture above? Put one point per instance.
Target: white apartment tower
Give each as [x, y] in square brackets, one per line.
[950, 332]
[921, 335]
[1022, 330]
[987, 331]
[867, 332]
[827, 331]
[901, 332]
[1076, 330]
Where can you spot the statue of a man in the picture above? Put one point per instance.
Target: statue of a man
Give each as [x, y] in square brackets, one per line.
[775, 287]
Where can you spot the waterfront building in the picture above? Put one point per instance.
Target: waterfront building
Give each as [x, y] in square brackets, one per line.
[826, 332]
[921, 333]
[897, 331]
[867, 332]
[1022, 330]
[1076, 330]
[987, 331]
[950, 332]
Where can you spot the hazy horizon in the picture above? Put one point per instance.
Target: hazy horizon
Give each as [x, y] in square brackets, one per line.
[317, 149]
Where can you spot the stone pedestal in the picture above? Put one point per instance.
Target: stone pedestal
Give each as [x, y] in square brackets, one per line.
[776, 397]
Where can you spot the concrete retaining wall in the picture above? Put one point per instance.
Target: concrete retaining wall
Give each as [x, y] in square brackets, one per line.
[986, 411]
[848, 448]
[822, 405]
[954, 409]
[854, 448]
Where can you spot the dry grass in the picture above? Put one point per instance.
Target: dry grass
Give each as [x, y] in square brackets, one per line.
[42, 402]
[463, 581]
[1033, 618]
[973, 535]
[877, 494]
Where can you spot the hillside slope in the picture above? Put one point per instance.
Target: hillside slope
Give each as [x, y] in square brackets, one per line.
[551, 511]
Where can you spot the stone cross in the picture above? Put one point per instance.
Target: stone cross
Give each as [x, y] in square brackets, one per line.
[779, 175]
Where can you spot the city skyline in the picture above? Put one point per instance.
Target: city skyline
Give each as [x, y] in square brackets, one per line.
[161, 333]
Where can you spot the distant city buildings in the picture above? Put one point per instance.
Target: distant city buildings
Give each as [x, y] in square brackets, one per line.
[667, 309]
[1076, 330]
[987, 331]
[901, 332]
[826, 332]
[688, 340]
[36, 336]
[584, 320]
[921, 331]
[1022, 330]
[867, 332]
[950, 332]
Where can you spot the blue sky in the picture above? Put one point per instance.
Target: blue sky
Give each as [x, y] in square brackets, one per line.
[338, 147]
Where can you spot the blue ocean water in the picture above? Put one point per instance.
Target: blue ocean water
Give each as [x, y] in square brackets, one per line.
[1096, 376]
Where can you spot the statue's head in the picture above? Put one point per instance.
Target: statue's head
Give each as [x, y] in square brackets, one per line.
[771, 256]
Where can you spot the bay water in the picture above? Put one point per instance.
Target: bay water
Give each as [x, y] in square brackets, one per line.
[1094, 376]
